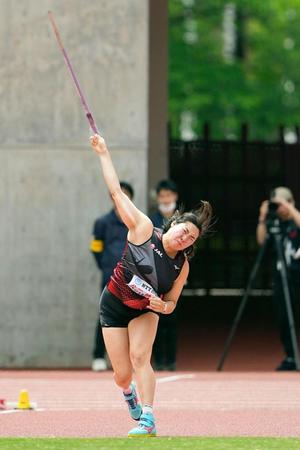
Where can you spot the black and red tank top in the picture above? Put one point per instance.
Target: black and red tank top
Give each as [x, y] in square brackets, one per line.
[148, 266]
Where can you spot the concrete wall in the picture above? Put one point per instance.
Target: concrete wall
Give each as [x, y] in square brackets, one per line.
[51, 189]
[158, 167]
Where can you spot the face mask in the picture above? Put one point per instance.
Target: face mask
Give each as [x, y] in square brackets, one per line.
[165, 209]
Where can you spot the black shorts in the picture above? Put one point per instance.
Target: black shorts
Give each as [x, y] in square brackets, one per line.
[113, 313]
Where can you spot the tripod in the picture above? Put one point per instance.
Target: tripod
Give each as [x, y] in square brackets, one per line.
[273, 231]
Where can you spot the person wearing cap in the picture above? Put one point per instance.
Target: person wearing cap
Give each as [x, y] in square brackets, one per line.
[107, 245]
[165, 344]
[289, 217]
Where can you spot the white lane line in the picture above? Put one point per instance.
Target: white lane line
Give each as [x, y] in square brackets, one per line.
[175, 378]
[10, 411]
[14, 405]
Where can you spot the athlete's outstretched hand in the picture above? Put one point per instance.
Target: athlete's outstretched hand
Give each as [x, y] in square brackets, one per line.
[98, 144]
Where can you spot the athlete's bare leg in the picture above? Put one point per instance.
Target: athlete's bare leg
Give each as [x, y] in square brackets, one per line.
[117, 346]
[142, 331]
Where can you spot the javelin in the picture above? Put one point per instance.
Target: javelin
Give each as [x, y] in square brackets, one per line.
[68, 63]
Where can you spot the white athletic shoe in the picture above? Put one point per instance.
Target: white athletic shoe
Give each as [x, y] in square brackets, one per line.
[99, 364]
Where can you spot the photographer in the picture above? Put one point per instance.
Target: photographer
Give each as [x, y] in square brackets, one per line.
[282, 206]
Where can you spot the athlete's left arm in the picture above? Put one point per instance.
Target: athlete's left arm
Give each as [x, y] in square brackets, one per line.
[169, 301]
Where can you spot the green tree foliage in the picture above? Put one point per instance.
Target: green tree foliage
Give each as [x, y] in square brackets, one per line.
[233, 62]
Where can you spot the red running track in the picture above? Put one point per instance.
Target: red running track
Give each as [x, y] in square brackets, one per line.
[85, 404]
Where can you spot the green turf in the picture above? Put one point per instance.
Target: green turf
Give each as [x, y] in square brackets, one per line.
[163, 443]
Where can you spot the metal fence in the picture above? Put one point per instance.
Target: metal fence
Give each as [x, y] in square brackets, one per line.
[235, 177]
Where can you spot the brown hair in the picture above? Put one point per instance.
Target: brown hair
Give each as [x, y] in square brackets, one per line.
[200, 217]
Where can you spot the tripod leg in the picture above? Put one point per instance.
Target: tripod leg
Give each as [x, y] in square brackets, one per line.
[287, 299]
[242, 305]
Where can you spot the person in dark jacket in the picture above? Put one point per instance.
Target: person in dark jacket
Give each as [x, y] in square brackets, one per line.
[107, 245]
[165, 345]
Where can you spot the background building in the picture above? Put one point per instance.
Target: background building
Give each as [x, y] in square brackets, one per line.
[50, 186]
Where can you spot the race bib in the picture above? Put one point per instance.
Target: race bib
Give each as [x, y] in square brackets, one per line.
[141, 287]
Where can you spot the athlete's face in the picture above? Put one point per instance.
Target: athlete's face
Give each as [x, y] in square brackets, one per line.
[182, 235]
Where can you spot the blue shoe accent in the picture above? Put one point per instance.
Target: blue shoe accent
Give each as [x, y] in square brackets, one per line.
[145, 428]
[134, 407]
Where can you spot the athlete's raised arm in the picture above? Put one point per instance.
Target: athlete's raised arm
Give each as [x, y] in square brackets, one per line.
[139, 225]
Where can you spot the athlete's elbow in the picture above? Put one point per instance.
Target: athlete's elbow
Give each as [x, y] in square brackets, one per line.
[115, 193]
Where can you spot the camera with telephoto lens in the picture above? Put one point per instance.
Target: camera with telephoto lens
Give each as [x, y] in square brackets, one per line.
[272, 212]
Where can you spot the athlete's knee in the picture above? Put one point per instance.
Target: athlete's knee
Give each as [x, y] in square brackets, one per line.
[139, 359]
[123, 379]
